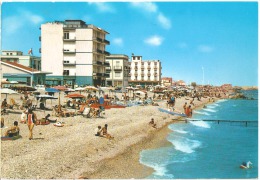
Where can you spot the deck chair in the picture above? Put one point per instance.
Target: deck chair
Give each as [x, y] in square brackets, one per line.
[14, 104]
[81, 110]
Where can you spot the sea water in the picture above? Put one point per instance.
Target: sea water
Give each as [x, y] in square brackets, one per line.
[210, 149]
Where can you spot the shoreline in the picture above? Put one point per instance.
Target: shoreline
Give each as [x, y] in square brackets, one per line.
[73, 151]
[127, 165]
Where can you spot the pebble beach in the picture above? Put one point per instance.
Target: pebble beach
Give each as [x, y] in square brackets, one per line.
[73, 151]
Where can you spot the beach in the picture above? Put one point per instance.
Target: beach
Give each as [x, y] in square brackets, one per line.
[73, 151]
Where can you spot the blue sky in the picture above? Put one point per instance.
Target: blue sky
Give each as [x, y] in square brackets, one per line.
[217, 38]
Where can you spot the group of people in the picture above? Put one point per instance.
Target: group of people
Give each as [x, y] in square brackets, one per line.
[102, 132]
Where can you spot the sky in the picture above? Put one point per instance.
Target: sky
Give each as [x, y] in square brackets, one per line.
[204, 42]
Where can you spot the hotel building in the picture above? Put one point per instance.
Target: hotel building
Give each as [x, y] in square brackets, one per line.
[167, 81]
[118, 70]
[146, 72]
[74, 52]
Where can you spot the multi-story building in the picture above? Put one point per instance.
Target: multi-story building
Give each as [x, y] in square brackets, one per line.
[118, 70]
[166, 81]
[146, 72]
[18, 57]
[74, 52]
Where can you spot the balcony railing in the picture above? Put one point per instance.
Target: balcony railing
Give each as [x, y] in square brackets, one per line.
[107, 75]
[118, 68]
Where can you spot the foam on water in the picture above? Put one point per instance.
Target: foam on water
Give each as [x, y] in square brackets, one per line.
[181, 131]
[202, 124]
[203, 113]
[210, 110]
[185, 145]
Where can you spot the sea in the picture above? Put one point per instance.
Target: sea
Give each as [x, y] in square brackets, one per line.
[203, 149]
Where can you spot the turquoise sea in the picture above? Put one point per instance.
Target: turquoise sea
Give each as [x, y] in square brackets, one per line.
[208, 149]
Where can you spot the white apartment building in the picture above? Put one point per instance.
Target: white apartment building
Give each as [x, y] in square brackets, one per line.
[18, 57]
[74, 52]
[146, 72]
[118, 70]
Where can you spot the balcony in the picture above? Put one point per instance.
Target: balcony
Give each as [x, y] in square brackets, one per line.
[106, 42]
[108, 69]
[69, 51]
[107, 64]
[118, 68]
[99, 74]
[99, 63]
[69, 63]
[106, 53]
[97, 39]
[107, 75]
[69, 39]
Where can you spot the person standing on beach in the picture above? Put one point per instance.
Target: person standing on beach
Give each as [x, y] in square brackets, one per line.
[188, 111]
[31, 120]
[184, 107]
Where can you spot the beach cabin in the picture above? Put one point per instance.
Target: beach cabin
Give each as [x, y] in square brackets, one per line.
[18, 72]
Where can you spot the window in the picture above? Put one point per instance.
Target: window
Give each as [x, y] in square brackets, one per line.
[66, 35]
[66, 72]
[11, 53]
[138, 58]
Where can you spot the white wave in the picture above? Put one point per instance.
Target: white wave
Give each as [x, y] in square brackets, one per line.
[203, 113]
[185, 145]
[181, 131]
[210, 110]
[202, 124]
[221, 101]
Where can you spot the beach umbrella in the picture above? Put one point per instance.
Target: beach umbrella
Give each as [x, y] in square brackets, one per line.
[76, 96]
[91, 88]
[45, 97]
[52, 90]
[8, 91]
[60, 88]
[80, 89]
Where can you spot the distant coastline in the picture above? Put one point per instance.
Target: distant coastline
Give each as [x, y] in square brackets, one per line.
[249, 87]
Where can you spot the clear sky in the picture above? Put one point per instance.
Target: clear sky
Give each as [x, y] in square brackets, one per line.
[219, 39]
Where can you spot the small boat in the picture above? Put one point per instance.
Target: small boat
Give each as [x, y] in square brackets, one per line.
[245, 165]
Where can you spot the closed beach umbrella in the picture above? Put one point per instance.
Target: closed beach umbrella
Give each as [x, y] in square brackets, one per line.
[91, 88]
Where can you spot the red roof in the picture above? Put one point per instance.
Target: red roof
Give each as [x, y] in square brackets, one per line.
[21, 66]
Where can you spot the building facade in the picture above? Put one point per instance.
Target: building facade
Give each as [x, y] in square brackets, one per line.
[118, 70]
[166, 81]
[146, 72]
[18, 72]
[75, 52]
[18, 57]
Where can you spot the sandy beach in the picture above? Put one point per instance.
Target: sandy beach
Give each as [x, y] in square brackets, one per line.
[73, 151]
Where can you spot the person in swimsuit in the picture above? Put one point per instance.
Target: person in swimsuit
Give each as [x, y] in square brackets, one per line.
[189, 111]
[31, 120]
[152, 123]
[105, 133]
[13, 129]
[184, 107]
[98, 131]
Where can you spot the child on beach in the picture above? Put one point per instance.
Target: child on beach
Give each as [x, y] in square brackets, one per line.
[152, 123]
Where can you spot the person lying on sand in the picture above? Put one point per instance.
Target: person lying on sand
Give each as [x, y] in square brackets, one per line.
[152, 123]
[15, 128]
